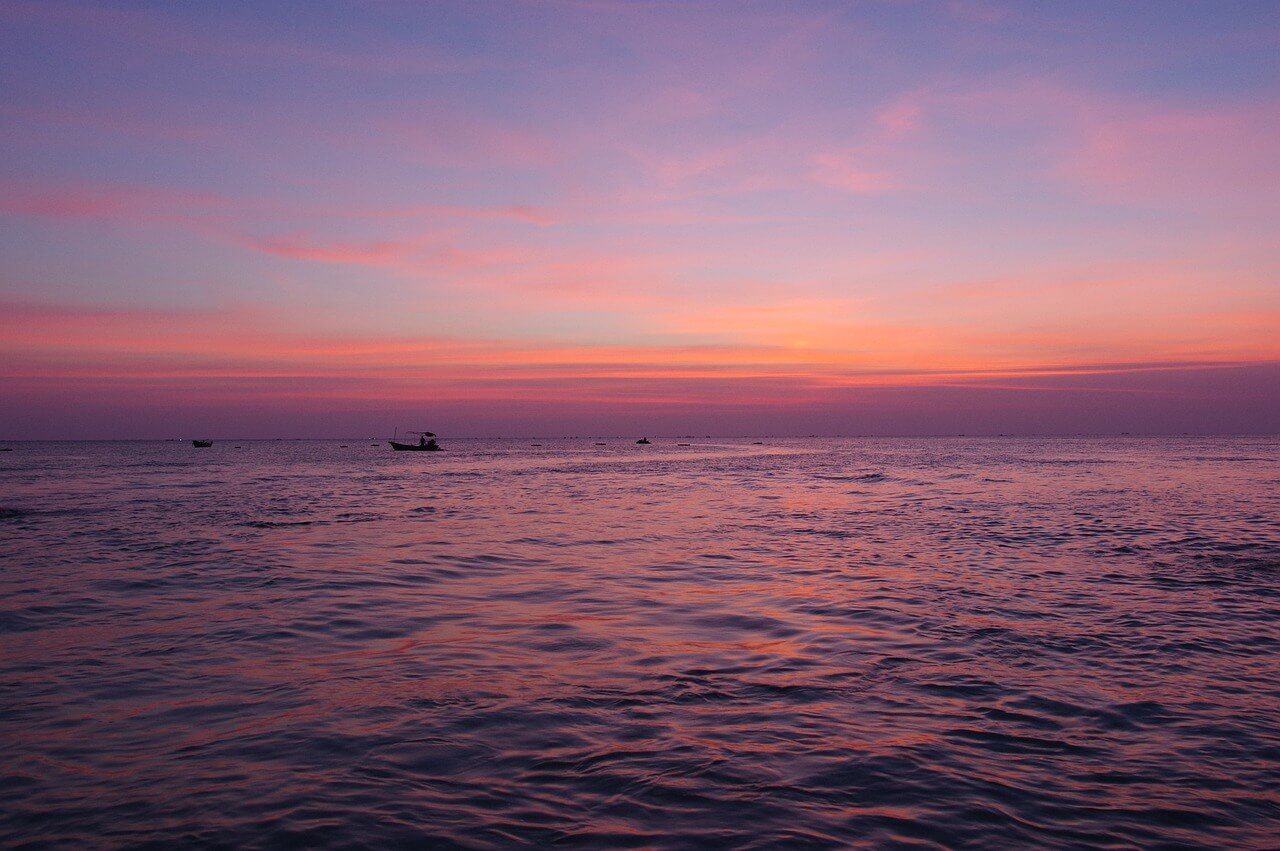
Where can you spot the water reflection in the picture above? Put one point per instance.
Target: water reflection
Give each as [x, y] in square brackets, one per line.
[817, 643]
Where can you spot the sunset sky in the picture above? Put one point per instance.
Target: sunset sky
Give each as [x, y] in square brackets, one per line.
[606, 217]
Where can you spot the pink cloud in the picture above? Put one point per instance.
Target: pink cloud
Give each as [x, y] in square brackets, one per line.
[103, 201]
[901, 117]
[1113, 147]
[98, 200]
[304, 247]
[1219, 155]
[843, 171]
[290, 230]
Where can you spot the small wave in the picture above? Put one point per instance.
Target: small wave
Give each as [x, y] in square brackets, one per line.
[1247, 565]
[15, 620]
[839, 534]
[1063, 462]
[10, 513]
[356, 517]
[1006, 743]
[278, 524]
[862, 477]
[339, 518]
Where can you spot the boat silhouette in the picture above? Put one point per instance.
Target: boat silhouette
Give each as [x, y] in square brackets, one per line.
[426, 443]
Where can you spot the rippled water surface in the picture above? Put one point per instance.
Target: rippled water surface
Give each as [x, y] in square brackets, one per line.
[805, 643]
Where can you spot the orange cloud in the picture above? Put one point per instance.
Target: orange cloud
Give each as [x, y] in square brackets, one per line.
[49, 341]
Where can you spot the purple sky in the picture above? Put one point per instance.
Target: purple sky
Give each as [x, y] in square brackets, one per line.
[333, 219]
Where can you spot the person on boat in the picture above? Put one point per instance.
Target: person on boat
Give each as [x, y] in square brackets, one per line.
[422, 440]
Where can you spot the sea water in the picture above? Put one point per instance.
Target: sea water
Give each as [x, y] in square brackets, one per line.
[1000, 642]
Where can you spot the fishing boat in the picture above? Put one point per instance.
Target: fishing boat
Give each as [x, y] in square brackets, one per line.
[202, 444]
[426, 443]
[643, 440]
[427, 446]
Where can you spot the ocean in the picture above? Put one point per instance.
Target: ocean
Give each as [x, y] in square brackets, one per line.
[806, 643]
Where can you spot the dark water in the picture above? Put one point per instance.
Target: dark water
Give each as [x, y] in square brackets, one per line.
[812, 643]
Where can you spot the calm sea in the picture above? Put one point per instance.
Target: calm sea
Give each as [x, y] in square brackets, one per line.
[987, 643]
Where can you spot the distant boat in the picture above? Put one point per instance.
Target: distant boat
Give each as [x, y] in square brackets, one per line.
[202, 444]
[643, 440]
[424, 446]
[426, 443]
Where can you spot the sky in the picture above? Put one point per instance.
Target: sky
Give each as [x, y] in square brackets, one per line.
[574, 217]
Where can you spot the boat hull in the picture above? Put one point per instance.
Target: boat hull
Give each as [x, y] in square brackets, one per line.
[414, 447]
